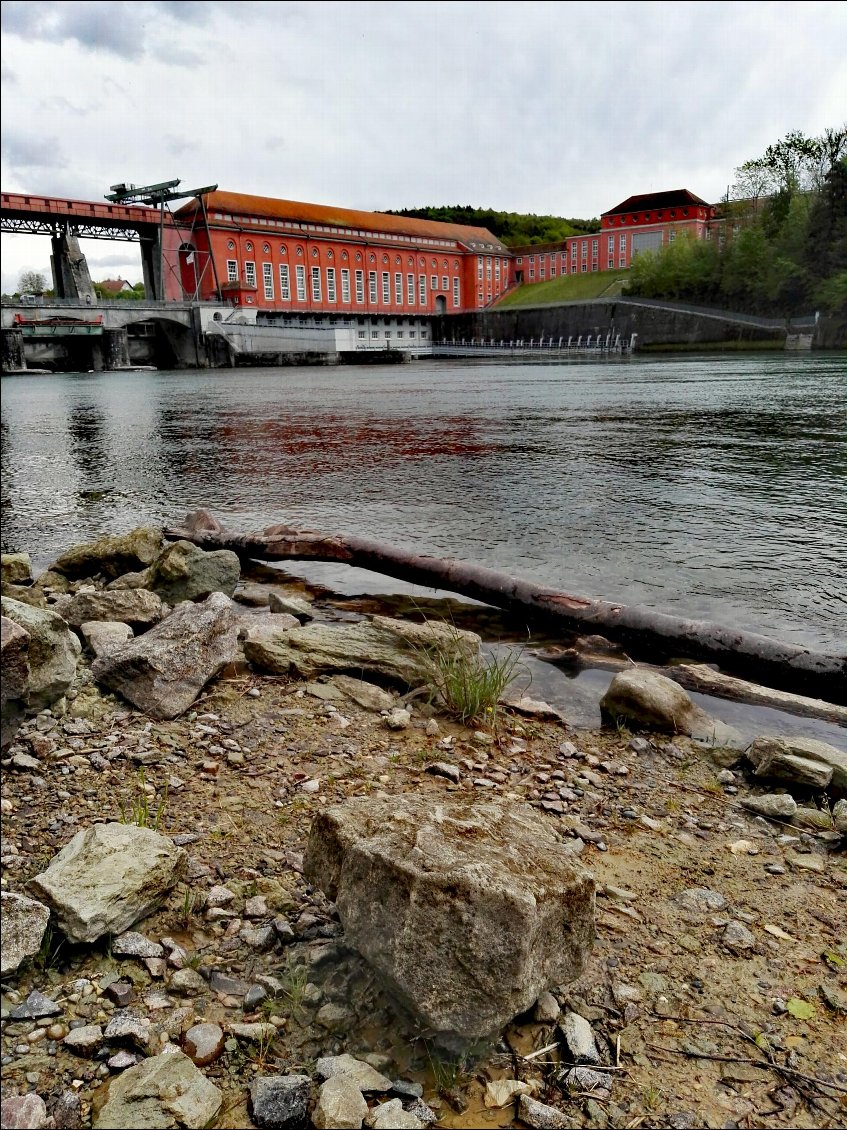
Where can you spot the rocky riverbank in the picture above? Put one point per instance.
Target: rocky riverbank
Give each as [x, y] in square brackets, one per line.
[225, 990]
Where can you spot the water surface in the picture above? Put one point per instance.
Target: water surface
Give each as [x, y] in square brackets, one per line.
[713, 487]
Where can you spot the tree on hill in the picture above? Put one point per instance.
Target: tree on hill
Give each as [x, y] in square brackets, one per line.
[781, 246]
[515, 229]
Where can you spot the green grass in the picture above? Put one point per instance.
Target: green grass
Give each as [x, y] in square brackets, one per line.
[138, 810]
[468, 687]
[565, 288]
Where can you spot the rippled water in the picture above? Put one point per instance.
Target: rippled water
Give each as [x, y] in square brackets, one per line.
[704, 486]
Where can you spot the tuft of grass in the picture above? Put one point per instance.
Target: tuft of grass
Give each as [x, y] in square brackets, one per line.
[295, 978]
[468, 687]
[48, 956]
[138, 810]
[192, 904]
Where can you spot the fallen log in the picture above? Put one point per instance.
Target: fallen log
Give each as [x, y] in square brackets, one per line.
[783, 665]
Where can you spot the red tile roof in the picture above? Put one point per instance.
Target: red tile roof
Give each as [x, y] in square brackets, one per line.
[240, 204]
[651, 201]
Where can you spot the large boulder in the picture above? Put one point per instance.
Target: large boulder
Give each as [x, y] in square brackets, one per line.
[112, 555]
[395, 649]
[654, 702]
[137, 607]
[802, 761]
[163, 671]
[163, 1092]
[24, 923]
[52, 653]
[186, 572]
[15, 569]
[469, 912]
[14, 664]
[108, 877]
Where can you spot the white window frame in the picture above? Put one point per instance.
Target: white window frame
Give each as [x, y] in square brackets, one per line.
[445, 283]
[433, 282]
[331, 295]
[410, 290]
[316, 284]
[232, 270]
[250, 273]
[360, 287]
[422, 289]
[372, 289]
[284, 283]
[386, 288]
[456, 292]
[300, 277]
[345, 285]
[268, 281]
[398, 288]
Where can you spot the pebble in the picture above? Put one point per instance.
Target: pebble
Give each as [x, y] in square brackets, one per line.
[540, 1116]
[35, 1007]
[738, 938]
[701, 899]
[580, 1039]
[127, 1026]
[547, 1009]
[204, 1043]
[584, 1079]
[280, 1100]
[187, 981]
[24, 1112]
[85, 1039]
[340, 1106]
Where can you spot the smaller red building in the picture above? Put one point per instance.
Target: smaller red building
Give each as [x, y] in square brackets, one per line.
[639, 223]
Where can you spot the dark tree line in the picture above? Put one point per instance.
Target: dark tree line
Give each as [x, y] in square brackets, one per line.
[513, 228]
[781, 243]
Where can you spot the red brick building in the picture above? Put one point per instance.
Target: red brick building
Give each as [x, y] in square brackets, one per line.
[639, 223]
[289, 258]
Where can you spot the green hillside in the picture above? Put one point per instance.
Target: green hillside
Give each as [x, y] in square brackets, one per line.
[566, 288]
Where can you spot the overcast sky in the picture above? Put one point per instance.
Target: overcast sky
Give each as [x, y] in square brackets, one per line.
[563, 108]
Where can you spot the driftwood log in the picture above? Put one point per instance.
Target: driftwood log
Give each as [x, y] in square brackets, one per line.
[764, 660]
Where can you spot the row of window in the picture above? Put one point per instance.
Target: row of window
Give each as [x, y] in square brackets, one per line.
[345, 233]
[411, 289]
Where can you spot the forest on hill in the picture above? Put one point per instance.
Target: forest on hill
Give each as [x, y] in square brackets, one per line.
[513, 228]
[781, 248]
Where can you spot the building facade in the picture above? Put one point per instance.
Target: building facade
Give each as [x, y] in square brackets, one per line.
[289, 259]
[639, 223]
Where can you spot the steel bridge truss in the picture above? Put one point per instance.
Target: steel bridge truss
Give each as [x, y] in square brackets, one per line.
[34, 225]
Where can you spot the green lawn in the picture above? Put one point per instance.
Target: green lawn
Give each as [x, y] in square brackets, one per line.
[566, 288]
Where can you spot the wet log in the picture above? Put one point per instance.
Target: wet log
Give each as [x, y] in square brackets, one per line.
[764, 660]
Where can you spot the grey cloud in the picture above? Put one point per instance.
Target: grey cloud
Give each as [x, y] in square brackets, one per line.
[29, 151]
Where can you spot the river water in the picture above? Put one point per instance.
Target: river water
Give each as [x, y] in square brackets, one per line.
[704, 486]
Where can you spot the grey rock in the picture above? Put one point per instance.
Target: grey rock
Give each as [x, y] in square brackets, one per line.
[254, 998]
[701, 899]
[35, 1007]
[112, 556]
[102, 637]
[85, 1040]
[839, 816]
[395, 649]
[392, 1116]
[107, 878]
[776, 806]
[397, 719]
[547, 1009]
[138, 607]
[24, 923]
[52, 652]
[204, 1043]
[584, 1079]
[580, 1039]
[260, 938]
[24, 1112]
[127, 1026]
[738, 938]
[67, 1113]
[121, 992]
[541, 1116]
[361, 1074]
[163, 671]
[164, 1091]
[340, 1106]
[256, 1032]
[658, 703]
[280, 1102]
[14, 685]
[816, 819]
[133, 944]
[803, 761]
[26, 763]
[424, 1114]
[292, 605]
[187, 981]
[120, 1061]
[15, 569]
[444, 769]
[469, 911]
[367, 695]
[186, 572]
[228, 986]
